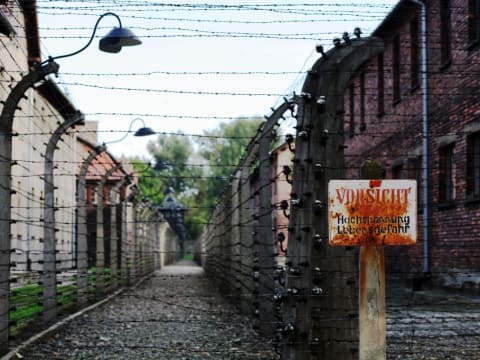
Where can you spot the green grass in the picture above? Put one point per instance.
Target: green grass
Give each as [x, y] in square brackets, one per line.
[66, 295]
[188, 257]
[26, 301]
[92, 278]
[25, 293]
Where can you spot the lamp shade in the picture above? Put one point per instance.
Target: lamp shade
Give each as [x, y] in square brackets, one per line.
[117, 38]
[144, 131]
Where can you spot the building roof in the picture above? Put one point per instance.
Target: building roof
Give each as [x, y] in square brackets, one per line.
[394, 18]
[100, 164]
[48, 89]
[29, 9]
[57, 98]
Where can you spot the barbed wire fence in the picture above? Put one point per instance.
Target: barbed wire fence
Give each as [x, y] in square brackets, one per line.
[309, 300]
[294, 298]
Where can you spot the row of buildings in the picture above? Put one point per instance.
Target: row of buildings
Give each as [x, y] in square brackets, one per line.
[414, 109]
[405, 98]
[89, 211]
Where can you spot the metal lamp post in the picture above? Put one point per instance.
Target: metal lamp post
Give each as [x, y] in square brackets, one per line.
[113, 43]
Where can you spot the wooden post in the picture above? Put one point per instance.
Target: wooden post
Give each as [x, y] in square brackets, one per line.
[372, 320]
[372, 213]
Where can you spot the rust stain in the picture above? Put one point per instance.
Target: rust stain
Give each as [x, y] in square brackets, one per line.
[372, 216]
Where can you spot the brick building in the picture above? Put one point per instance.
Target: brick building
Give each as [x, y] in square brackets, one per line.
[38, 115]
[425, 125]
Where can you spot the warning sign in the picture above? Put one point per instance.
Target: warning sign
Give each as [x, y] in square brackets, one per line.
[372, 212]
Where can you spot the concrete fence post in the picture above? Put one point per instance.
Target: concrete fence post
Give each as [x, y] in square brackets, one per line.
[321, 311]
[116, 233]
[265, 240]
[82, 236]
[10, 105]
[49, 274]
[100, 250]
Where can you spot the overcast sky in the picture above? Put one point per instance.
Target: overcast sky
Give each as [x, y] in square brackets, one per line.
[200, 62]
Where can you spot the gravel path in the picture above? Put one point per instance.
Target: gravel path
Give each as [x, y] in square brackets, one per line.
[173, 315]
[177, 314]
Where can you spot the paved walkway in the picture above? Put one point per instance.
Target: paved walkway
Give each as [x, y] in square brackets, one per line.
[175, 314]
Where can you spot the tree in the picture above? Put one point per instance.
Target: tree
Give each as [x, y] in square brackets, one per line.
[173, 156]
[223, 148]
[199, 174]
[174, 166]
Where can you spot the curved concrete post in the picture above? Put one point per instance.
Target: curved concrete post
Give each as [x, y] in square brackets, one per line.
[136, 256]
[100, 251]
[116, 213]
[125, 253]
[131, 236]
[82, 242]
[159, 241]
[151, 239]
[265, 243]
[10, 105]
[322, 316]
[142, 240]
[235, 235]
[246, 253]
[49, 279]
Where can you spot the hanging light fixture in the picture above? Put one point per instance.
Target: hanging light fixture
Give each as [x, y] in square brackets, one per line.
[117, 38]
[113, 42]
[142, 131]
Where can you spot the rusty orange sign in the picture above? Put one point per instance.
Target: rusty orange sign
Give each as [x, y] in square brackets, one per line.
[372, 212]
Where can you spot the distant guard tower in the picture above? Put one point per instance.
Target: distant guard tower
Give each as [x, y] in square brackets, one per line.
[174, 213]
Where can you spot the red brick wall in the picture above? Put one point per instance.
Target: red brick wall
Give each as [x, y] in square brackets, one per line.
[396, 136]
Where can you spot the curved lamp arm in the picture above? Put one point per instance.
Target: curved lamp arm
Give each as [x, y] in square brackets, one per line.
[143, 131]
[112, 42]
